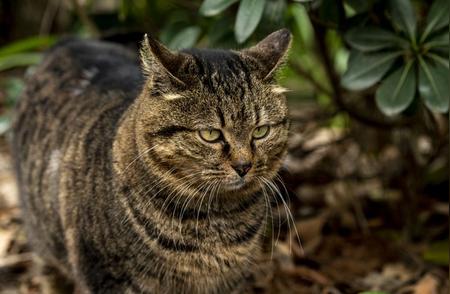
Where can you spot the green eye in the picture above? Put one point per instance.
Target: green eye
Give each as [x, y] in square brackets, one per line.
[260, 132]
[210, 135]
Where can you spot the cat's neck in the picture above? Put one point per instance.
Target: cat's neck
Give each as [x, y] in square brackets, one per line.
[175, 224]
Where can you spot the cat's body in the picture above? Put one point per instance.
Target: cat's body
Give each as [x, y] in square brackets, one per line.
[110, 182]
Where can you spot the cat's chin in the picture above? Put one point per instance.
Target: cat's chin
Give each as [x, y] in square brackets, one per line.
[234, 186]
[240, 186]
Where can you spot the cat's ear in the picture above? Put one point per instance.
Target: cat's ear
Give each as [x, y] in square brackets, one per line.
[156, 57]
[270, 53]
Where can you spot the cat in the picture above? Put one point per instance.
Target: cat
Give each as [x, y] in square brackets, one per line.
[151, 175]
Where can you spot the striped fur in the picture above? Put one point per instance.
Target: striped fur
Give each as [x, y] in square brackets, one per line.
[120, 192]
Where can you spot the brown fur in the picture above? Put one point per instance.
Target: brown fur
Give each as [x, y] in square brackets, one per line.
[120, 191]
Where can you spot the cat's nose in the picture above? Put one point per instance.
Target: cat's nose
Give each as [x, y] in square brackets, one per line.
[241, 168]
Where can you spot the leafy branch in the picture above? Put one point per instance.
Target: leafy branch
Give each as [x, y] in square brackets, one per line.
[337, 94]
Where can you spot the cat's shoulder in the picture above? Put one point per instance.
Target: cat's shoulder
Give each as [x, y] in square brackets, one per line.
[111, 65]
[90, 52]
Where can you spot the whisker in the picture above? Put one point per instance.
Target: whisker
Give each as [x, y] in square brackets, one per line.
[267, 211]
[201, 201]
[278, 217]
[138, 157]
[277, 192]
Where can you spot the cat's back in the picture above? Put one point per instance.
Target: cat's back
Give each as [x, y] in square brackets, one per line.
[74, 69]
[106, 66]
[74, 98]
[76, 81]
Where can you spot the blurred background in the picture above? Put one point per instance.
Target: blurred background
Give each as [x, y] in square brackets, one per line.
[367, 175]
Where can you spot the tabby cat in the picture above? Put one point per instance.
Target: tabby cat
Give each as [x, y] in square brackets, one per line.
[150, 176]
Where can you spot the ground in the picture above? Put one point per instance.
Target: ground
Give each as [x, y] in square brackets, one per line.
[349, 219]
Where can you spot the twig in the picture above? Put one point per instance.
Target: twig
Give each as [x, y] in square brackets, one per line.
[316, 117]
[307, 151]
[308, 274]
[302, 72]
[85, 19]
[14, 261]
[323, 23]
[49, 16]
[440, 136]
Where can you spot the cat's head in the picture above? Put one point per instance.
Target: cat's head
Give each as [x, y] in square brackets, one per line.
[213, 119]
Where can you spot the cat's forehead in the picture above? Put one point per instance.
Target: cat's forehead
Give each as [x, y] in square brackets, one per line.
[234, 112]
[227, 92]
[221, 71]
[225, 62]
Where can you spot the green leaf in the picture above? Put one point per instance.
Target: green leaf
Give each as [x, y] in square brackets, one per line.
[5, 124]
[440, 40]
[437, 17]
[369, 39]
[339, 121]
[220, 33]
[186, 38]
[124, 9]
[438, 253]
[397, 91]
[332, 12]
[28, 44]
[364, 70]
[214, 7]
[438, 59]
[19, 59]
[248, 17]
[358, 5]
[434, 85]
[178, 21]
[13, 88]
[274, 13]
[404, 16]
[442, 52]
[302, 24]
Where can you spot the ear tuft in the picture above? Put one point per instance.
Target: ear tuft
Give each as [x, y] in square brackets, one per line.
[156, 57]
[171, 96]
[146, 56]
[270, 52]
[279, 90]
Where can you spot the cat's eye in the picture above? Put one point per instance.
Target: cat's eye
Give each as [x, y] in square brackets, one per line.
[260, 132]
[210, 135]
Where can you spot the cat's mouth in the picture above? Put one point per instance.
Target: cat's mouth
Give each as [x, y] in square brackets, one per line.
[235, 185]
